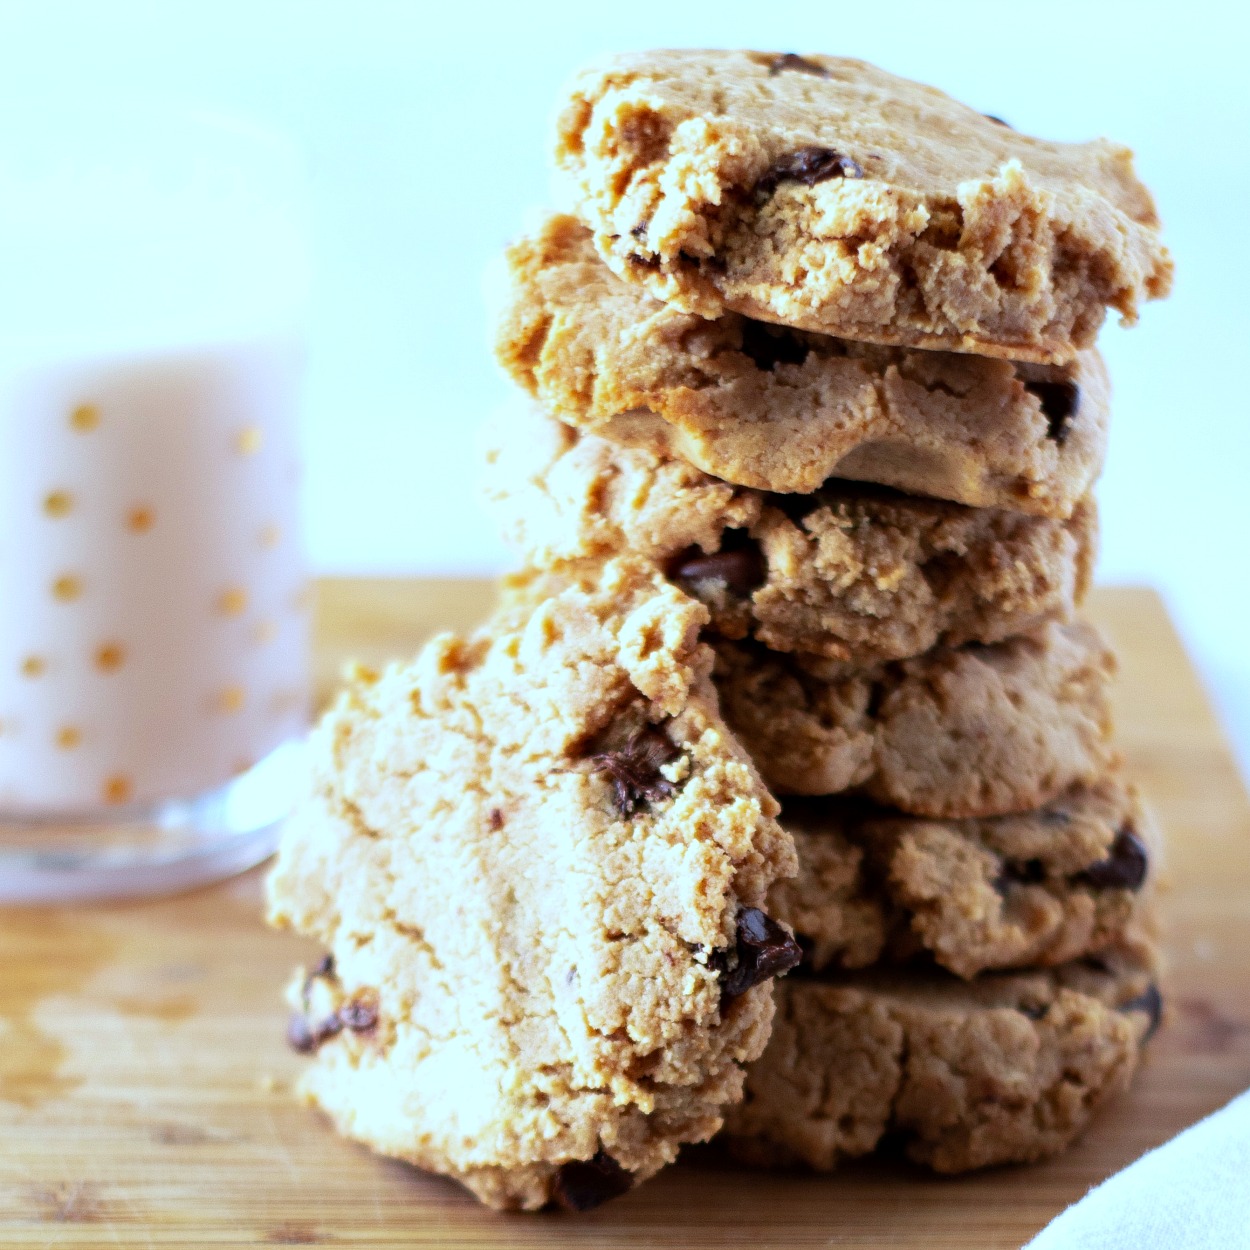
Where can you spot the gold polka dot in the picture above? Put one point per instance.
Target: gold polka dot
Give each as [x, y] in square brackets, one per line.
[110, 656]
[118, 789]
[58, 504]
[301, 601]
[232, 601]
[270, 536]
[285, 701]
[68, 737]
[34, 666]
[231, 700]
[243, 766]
[249, 441]
[264, 632]
[85, 418]
[67, 588]
[139, 520]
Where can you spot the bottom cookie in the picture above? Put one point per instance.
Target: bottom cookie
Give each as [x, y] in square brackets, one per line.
[1009, 1068]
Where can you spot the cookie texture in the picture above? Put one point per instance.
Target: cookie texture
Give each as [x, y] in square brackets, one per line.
[826, 194]
[1036, 889]
[537, 860]
[1009, 1068]
[967, 731]
[851, 572]
[782, 409]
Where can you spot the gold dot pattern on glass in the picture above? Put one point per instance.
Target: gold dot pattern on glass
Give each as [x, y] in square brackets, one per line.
[58, 504]
[270, 536]
[34, 666]
[264, 632]
[110, 656]
[68, 737]
[85, 418]
[249, 440]
[117, 789]
[230, 700]
[140, 519]
[232, 601]
[67, 588]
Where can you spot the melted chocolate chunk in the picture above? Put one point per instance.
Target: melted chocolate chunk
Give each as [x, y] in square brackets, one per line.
[741, 568]
[1020, 872]
[1035, 1011]
[359, 1014]
[634, 769]
[800, 65]
[1060, 403]
[1149, 1001]
[1124, 868]
[770, 346]
[809, 166]
[496, 820]
[764, 950]
[998, 121]
[589, 1183]
[304, 1036]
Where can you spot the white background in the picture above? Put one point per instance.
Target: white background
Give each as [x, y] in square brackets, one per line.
[425, 131]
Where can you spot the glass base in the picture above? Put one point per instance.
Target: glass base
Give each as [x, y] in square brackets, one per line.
[162, 849]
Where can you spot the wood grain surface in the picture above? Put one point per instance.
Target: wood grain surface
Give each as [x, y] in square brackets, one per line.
[145, 1088]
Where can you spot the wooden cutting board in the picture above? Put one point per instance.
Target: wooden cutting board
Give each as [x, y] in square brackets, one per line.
[145, 1087]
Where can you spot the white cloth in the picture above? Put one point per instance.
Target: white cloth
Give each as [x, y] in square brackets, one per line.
[1192, 1193]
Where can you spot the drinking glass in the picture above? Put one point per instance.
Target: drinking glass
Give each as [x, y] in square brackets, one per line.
[153, 596]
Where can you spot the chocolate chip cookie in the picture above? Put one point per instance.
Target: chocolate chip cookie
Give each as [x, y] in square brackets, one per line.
[1008, 1068]
[539, 864]
[1032, 890]
[852, 572]
[965, 731]
[781, 409]
[825, 194]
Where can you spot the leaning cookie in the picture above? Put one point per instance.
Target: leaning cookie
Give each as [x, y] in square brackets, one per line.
[538, 861]
[855, 573]
[825, 194]
[965, 731]
[783, 410]
[1032, 890]
[1009, 1068]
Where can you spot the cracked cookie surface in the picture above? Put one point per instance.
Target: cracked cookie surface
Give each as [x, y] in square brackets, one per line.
[964, 731]
[851, 572]
[784, 410]
[1030, 890]
[537, 859]
[826, 194]
[1009, 1068]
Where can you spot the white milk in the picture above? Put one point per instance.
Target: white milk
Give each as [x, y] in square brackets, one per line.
[152, 598]
[153, 613]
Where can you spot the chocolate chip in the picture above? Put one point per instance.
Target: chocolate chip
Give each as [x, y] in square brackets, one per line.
[742, 569]
[770, 346]
[1060, 402]
[809, 166]
[304, 1036]
[800, 65]
[1034, 1011]
[358, 1014]
[324, 969]
[1150, 1002]
[763, 950]
[634, 769]
[1124, 868]
[1021, 872]
[639, 229]
[998, 121]
[299, 1034]
[496, 820]
[588, 1183]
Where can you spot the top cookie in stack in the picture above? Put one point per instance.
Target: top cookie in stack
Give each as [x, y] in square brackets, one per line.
[825, 194]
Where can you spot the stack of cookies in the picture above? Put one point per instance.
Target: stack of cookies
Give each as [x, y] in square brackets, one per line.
[793, 673]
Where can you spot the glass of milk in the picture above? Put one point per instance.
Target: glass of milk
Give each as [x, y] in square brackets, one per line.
[153, 597]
